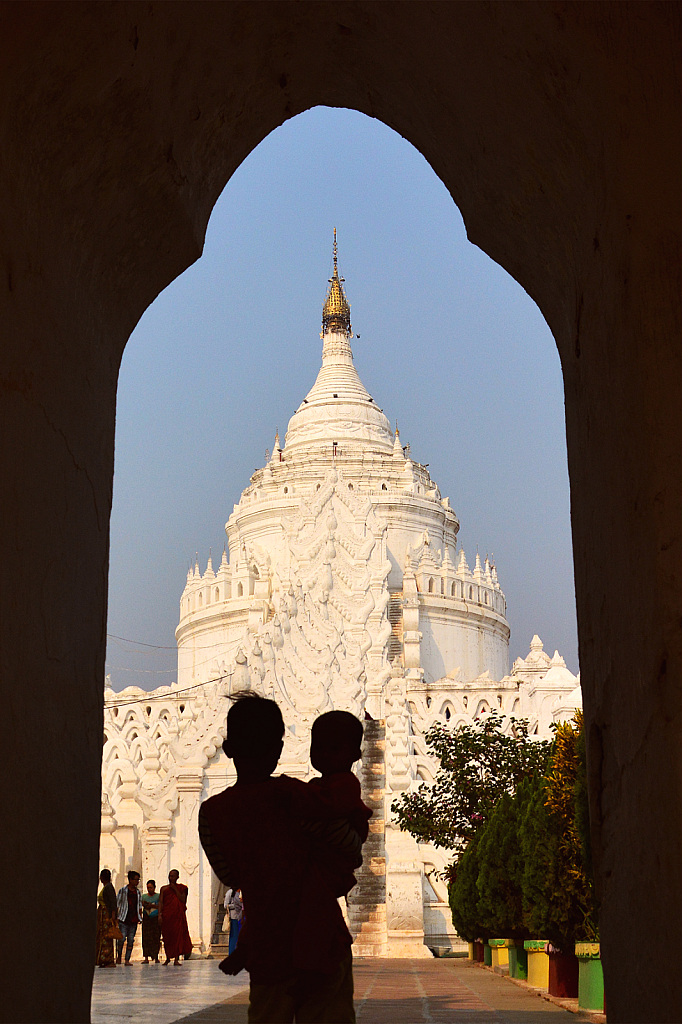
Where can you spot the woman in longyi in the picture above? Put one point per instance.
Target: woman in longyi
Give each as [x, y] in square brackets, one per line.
[107, 921]
[151, 931]
[173, 919]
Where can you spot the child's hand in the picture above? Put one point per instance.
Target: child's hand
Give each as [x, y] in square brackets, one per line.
[234, 963]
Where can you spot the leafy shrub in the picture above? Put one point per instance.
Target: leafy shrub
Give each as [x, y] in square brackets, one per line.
[515, 812]
[479, 763]
[463, 895]
[558, 897]
[582, 804]
[500, 866]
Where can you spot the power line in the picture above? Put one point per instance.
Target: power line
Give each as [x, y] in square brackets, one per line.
[171, 695]
[143, 671]
[141, 643]
[159, 647]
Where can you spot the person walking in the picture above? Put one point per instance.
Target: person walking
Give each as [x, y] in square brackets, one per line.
[129, 902]
[235, 909]
[151, 930]
[107, 921]
[173, 919]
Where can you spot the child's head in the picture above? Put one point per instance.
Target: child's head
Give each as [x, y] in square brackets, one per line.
[255, 730]
[335, 742]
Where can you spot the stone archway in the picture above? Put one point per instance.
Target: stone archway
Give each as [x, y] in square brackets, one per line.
[556, 128]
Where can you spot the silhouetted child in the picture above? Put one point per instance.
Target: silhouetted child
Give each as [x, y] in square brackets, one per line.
[335, 746]
[297, 946]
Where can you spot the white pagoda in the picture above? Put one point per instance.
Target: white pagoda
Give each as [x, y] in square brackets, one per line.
[341, 586]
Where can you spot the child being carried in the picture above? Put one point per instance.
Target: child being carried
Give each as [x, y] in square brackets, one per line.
[335, 746]
[338, 834]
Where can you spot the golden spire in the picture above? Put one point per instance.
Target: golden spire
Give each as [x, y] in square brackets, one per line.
[336, 309]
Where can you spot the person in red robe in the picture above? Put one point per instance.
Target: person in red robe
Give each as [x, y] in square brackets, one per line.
[173, 919]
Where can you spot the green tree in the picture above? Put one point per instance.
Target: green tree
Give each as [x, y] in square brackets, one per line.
[479, 763]
[463, 895]
[582, 805]
[558, 900]
[500, 865]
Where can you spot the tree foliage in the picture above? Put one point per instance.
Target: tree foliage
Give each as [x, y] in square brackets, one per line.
[523, 873]
[479, 763]
[501, 865]
[463, 895]
[559, 898]
[514, 811]
[582, 806]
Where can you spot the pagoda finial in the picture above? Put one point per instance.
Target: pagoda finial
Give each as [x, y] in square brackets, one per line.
[336, 309]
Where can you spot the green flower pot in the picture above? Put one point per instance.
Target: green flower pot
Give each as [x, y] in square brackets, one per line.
[590, 976]
[518, 962]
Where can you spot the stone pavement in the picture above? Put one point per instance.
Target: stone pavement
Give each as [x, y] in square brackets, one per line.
[387, 992]
[154, 994]
[448, 990]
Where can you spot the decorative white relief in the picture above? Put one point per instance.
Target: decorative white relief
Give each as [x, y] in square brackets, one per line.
[324, 639]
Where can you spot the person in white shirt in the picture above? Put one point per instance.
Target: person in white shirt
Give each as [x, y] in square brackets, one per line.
[129, 900]
[235, 908]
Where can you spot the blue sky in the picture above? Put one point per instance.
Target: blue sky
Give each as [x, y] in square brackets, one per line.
[450, 346]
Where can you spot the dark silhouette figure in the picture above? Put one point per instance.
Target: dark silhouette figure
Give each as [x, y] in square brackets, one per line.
[301, 972]
[335, 746]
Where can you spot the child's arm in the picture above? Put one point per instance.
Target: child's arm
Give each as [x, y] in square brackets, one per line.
[234, 963]
[340, 836]
[320, 815]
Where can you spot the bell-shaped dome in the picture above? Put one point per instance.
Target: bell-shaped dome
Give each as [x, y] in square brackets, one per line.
[338, 409]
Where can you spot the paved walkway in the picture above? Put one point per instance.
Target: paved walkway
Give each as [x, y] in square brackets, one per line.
[387, 992]
[154, 994]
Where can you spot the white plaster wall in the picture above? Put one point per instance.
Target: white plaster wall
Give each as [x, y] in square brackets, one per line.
[450, 641]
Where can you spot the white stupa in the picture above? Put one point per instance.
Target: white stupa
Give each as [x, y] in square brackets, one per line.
[341, 586]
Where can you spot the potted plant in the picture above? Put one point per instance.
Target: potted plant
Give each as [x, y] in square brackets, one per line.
[500, 870]
[479, 764]
[558, 895]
